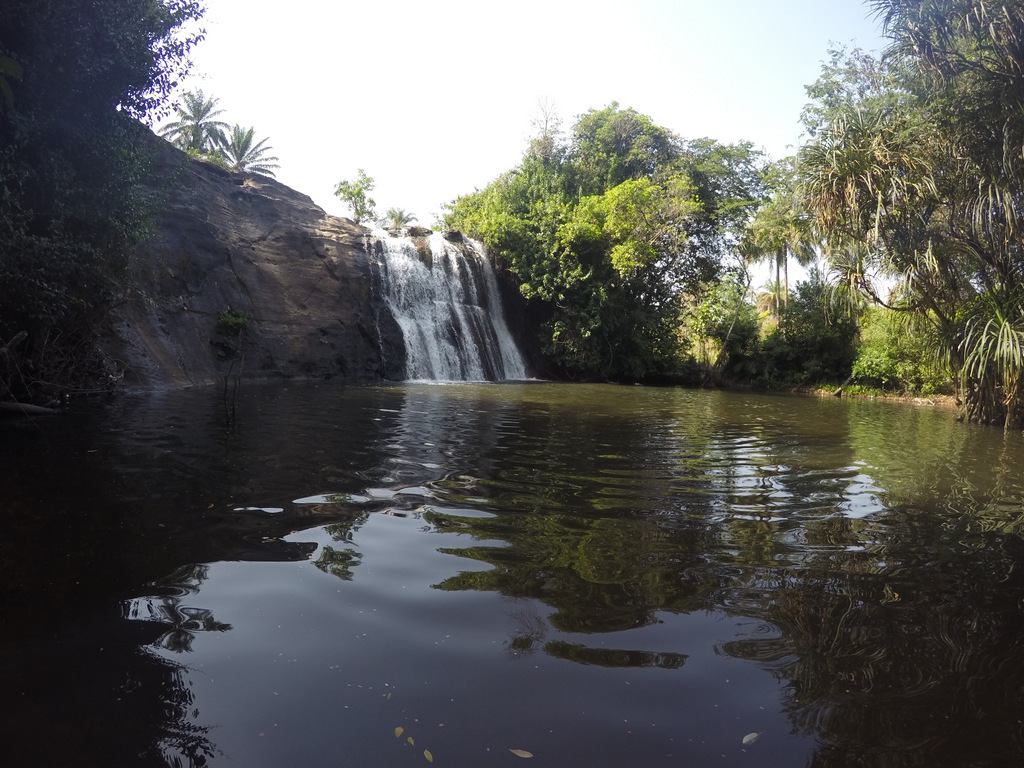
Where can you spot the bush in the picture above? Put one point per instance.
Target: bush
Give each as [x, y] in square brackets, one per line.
[896, 354]
[806, 347]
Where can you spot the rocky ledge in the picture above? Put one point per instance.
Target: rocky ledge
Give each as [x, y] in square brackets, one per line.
[243, 275]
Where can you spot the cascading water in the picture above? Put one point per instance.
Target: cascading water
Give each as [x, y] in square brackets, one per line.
[444, 296]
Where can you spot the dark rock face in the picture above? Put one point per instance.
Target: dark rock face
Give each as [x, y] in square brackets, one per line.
[246, 243]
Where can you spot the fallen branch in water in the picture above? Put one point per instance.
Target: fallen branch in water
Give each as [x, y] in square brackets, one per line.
[27, 410]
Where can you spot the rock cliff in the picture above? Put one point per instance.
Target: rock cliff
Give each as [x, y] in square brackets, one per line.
[299, 280]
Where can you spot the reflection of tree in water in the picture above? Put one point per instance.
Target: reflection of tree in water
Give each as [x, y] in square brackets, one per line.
[601, 575]
[340, 562]
[901, 637]
[612, 657]
[921, 663]
[180, 741]
[182, 622]
[529, 632]
[896, 627]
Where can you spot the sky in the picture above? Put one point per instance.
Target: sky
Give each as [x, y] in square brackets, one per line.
[436, 99]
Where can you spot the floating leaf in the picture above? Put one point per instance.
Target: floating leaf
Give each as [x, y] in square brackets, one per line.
[411, 742]
[426, 754]
[399, 731]
[750, 738]
[521, 753]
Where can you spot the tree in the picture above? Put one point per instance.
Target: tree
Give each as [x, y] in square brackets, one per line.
[356, 195]
[614, 235]
[242, 155]
[547, 126]
[613, 145]
[196, 127]
[72, 155]
[928, 185]
[780, 230]
[396, 218]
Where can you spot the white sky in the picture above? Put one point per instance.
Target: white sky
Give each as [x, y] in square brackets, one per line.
[434, 99]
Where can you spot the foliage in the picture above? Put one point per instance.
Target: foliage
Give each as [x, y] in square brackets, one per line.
[356, 194]
[614, 233]
[897, 354]
[71, 154]
[810, 344]
[779, 231]
[396, 218]
[196, 127]
[198, 132]
[924, 186]
[242, 155]
[724, 329]
[231, 325]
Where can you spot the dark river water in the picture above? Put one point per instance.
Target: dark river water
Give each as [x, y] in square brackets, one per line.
[477, 575]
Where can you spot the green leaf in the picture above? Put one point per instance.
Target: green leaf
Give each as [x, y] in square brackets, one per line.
[750, 738]
[10, 68]
[426, 754]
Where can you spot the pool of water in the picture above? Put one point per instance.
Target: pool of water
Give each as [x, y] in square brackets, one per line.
[474, 575]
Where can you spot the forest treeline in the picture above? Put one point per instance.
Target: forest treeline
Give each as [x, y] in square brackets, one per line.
[905, 201]
[634, 245]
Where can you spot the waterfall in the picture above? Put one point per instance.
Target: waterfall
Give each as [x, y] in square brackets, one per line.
[444, 296]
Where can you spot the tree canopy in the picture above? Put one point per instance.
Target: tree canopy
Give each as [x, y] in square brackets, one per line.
[922, 180]
[615, 232]
[71, 154]
[196, 127]
[356, 194]
[242, 155]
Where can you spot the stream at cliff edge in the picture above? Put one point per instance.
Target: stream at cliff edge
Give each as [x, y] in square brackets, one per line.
[472, 575]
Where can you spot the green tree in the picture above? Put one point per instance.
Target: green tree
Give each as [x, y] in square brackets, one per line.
[356, 194]
[614, 236]
[396, 218]
[196, 128]
[810, 344]
[242, 155]
[613, 145]
[898, 352]
[927, 186]
[72, 154]
[779, 231]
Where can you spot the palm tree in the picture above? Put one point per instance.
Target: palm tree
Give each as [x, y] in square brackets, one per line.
[196, 129]
[242, 155]
[395, 218]
[780, 230]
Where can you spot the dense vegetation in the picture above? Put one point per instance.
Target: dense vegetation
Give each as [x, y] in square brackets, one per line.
[916, 175]
[907, 195]
[616, 231]
[71, 153]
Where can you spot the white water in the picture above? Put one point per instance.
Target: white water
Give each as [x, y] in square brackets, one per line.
[445, 299]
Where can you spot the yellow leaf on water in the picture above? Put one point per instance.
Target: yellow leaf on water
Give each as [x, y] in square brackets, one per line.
[521, 753]
[426, 754]
[399, 731]
[411, 742]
